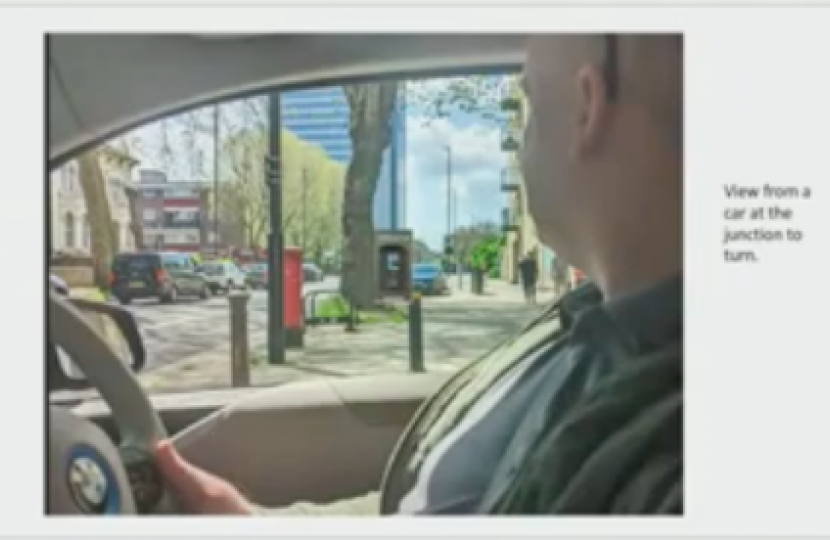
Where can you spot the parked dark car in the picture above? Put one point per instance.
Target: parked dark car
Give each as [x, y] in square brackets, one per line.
[256, 275]
[165, 276]
[429, 278]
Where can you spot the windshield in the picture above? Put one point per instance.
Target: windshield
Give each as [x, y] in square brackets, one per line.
[174, 264]
[451, 135]
[135, 263]
[213, 269]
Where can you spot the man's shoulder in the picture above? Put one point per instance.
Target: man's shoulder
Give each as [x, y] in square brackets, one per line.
[444, 411]
[543, 332]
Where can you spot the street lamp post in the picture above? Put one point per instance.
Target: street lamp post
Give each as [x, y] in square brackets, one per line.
[304, 209]
[216, 180]
[451, 202]
[457, 250]
[448, 150]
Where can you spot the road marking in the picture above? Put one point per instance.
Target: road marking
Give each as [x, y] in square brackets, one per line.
[178, 321]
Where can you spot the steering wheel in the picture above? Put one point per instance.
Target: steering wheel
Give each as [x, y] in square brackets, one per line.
[87, 473]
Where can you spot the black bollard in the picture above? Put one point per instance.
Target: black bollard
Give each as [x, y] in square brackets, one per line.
[416, 334]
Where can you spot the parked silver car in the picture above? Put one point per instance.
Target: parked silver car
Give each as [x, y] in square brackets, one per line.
[223, 276]
[312, 273]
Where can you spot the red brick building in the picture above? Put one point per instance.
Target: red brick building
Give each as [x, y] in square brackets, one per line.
[175, 215]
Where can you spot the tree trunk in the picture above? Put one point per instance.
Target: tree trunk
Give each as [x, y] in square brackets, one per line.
[251, 235]
[371, 107]
[101, 239]
[259, 222]
[136, 219]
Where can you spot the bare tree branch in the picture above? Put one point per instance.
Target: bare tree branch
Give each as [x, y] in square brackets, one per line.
[477, 95]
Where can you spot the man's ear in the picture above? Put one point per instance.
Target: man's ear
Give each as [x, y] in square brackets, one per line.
[593, 107]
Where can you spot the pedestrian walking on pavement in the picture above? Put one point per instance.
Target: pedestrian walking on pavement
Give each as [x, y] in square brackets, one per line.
[529, 272]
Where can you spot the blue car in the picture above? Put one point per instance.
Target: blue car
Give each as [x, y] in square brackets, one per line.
[429, 278]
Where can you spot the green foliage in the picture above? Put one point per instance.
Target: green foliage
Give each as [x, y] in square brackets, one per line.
[485, 253]
[312, 183]
[331, 308]
[312, 190]
[464, 238]
[336, 307]
[479, 95]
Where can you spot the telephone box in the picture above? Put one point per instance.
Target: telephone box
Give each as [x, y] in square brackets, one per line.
[394, 262]
[292, 297]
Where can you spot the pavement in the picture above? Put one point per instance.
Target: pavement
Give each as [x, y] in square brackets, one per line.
[174, 332]
[188, 343]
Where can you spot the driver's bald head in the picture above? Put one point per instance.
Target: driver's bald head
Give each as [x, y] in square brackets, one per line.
[604, 140]
[642, 70]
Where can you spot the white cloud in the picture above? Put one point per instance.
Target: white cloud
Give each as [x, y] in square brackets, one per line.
[475, 148]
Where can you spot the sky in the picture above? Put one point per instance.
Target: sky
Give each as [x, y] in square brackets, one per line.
[476, 162]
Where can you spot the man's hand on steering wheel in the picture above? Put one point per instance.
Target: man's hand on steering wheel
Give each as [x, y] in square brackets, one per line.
[197, 491]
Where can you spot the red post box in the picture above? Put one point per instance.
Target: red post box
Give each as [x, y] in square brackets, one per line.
[292, 297]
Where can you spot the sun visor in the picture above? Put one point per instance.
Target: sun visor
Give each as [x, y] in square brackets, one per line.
[104, 84]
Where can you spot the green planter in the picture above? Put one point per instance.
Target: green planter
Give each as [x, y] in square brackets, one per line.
[478, 282]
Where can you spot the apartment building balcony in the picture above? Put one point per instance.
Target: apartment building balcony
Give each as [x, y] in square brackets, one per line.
[511, 179]
[509, 220]
[511, 104]
[511, 135]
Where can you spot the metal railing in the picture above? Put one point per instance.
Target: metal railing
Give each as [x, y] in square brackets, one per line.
[311, 319]
[511, 104]
[510, 139]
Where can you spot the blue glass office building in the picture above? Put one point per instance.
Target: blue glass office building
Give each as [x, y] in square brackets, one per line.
[321, 116]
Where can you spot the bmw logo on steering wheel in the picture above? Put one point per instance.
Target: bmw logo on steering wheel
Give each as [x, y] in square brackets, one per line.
[91, 483]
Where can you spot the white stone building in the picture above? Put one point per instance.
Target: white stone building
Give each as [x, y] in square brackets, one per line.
[517, 222]
[70, 226]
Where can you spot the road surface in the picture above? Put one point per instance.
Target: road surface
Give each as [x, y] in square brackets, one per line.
[173, 332]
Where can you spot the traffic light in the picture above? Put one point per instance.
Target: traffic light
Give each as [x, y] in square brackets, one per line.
[272, 170]
[448, 251]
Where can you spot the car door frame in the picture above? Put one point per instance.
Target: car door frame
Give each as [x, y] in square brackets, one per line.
[192, 278]
[173, 269]
[180, 274]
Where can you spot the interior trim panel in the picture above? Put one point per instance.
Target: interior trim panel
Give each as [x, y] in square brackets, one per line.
[315, 441]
